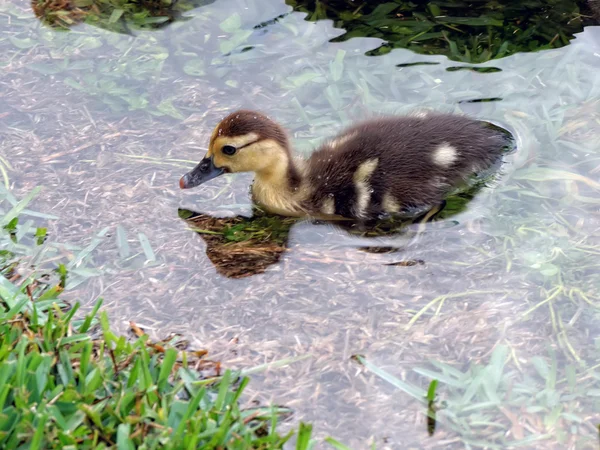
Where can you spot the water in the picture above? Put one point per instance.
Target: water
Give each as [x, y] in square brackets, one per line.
[499, 301]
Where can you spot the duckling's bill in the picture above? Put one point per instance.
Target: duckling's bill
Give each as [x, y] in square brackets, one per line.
[204, 171]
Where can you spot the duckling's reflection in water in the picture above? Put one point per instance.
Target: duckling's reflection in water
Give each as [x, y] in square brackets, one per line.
[243, 246]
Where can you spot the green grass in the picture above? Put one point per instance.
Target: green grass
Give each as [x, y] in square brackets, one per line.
[534, 236]
[541, 402]
[69, 382]
[63, 387]
[470, 33]
[121, 16]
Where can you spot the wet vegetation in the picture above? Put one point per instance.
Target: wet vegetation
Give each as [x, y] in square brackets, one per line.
[122, 16]
[72, 382]
[470, 32]
[243, 246]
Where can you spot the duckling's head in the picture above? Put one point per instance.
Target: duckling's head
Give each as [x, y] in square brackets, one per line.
[244, 141]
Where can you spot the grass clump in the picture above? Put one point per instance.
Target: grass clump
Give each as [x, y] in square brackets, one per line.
[73, 383]
[472, 32]
[63, 387]
[541, 402]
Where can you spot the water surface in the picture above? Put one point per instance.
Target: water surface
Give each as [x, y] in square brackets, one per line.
[501, 304]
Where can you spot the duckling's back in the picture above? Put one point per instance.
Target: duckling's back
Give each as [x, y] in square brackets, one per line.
[392, 164]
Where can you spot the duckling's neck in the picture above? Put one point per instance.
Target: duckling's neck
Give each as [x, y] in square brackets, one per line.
[279, 188]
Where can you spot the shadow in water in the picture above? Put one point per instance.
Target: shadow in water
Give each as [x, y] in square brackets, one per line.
[243, 246]
[474, 69]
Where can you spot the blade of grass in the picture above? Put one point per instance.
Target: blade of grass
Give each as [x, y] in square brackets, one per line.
[415, 392]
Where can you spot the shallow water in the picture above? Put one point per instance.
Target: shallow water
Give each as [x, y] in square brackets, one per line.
[502, 304]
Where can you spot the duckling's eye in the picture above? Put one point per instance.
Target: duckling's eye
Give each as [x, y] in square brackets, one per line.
[228, 150]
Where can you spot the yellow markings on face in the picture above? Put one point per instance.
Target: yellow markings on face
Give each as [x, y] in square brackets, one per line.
[268, 159]
[445, 155]
[361, 181]
[235, 141]
[236, 160]
[271, 188]
[328, 206]
[213, 136]
[390, 204]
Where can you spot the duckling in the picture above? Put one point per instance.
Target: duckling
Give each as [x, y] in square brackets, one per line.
[378, 167]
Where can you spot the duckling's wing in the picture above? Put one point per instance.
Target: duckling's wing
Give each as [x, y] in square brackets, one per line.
[388, 164]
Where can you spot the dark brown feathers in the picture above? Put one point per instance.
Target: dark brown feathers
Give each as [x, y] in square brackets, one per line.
[418, 160]
[386, 165]
[244, 122]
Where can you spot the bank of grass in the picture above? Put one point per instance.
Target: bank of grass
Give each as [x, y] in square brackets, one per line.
[71, 383]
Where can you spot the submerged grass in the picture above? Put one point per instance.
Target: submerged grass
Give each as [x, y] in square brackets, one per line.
[121, 16]
[243, 246]
[72, 382]
[475, 33]
[532, 240]
[495, 406]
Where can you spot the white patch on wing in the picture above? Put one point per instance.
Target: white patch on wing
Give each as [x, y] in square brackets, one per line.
[328, 206]
[363, 189]
[440, 183]
[445, 155]
[390, 204]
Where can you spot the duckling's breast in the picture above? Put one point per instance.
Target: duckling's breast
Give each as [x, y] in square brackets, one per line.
[389, 165]
[277, 199]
